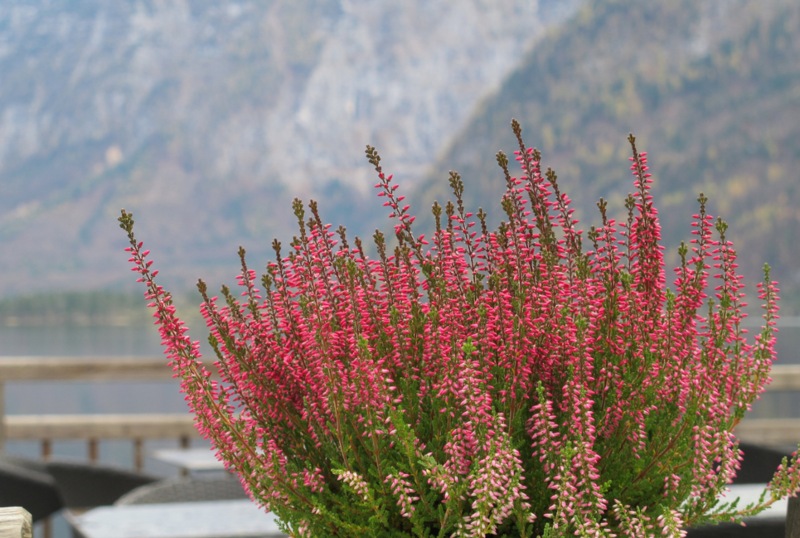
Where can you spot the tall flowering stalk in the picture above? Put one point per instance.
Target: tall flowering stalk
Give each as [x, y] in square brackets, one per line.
[483, 383]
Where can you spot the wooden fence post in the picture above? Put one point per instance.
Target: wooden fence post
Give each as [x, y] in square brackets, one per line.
[15, 522]
[2, 418]
[793, 518]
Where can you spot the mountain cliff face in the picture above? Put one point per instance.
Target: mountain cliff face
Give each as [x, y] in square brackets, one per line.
[709, 88]
[206, 118]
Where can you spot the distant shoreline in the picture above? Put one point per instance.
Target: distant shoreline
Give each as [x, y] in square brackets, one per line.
[84, 309]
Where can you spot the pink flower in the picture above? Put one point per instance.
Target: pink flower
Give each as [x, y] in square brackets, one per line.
[480, 381]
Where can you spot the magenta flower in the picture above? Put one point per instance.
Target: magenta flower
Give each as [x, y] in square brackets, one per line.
[483, 383]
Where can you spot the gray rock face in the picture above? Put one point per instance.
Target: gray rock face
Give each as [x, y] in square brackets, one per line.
[195, 113]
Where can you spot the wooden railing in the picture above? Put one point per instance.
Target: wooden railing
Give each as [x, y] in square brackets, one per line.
[140, 427]
[90, 427]
[783, 432]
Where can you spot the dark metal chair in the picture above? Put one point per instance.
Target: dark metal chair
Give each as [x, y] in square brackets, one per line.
[86, 485]
[187, 489]
[758, 466]
[26, 483]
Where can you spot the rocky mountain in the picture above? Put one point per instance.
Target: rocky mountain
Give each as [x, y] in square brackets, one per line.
[709, 88]
[206, 118]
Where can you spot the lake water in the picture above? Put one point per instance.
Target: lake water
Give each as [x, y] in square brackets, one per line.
[81, 341]
[74, 397]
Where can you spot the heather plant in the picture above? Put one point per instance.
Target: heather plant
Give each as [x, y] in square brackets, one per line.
[530, 380]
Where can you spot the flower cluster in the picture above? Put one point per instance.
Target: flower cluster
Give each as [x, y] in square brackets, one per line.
[531, 380]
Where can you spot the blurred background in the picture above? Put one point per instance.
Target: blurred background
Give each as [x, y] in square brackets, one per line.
[206, 118]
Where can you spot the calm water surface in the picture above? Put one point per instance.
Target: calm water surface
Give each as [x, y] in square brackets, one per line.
[80, 341]
[69, 397]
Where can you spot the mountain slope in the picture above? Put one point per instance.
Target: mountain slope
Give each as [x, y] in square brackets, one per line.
[710, 90]
[206, 118]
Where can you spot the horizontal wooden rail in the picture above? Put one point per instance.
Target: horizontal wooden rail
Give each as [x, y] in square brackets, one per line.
[91, 427]
[785, 322]
[785, 377]
[153, 426]
[84, 369]
[770, 431]
[775, 431]
[147, 426]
